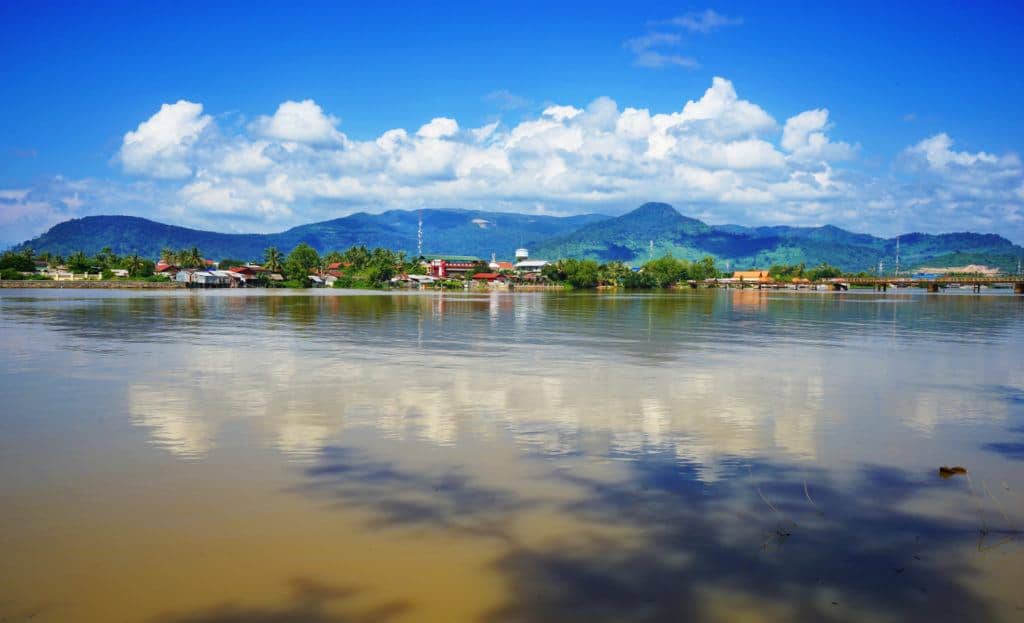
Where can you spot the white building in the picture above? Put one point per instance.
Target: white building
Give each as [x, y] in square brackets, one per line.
[530, 266]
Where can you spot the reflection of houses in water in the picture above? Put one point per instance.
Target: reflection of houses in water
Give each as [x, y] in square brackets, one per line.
[747, 299]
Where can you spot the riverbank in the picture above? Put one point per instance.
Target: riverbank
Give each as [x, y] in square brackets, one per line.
[91, 285]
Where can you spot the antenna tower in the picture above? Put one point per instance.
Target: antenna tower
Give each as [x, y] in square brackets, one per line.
[897, 256]
[419, 237]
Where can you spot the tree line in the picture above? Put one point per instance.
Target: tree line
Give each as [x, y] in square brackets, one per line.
[362, 267]
[658, 273]
[14, 263]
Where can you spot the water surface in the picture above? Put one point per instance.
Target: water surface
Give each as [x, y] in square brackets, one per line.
[228, 456]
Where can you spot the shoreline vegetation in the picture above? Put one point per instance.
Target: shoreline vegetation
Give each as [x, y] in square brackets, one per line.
[362, 268]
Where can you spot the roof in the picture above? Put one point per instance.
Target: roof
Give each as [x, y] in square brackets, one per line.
[750, 274]
[487, 276]
[503, 265]
[532, 264]
[452, 258]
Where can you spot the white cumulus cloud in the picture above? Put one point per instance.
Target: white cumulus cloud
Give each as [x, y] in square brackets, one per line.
[160, 146]
[300, 122]
[717, 156]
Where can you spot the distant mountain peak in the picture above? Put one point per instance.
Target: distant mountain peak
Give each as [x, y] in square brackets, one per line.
[654, 209]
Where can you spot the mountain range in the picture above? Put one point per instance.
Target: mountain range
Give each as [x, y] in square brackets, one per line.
[651, 230]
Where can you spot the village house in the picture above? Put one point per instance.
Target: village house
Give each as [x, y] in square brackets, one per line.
[444, 266]
[169, 270]
[752, 276]
[194, 278]
[531, 266]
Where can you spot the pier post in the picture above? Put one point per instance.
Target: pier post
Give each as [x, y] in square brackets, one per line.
[933, 287]
[1018, 288]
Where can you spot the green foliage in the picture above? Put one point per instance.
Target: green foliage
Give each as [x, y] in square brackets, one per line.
[301, 262]
[787, 273]
[230, 262]
[824, 271]
[272, 260]
[703, 269]
[626, 239]
[11, 274]
[17, 261]
[665, 271]
[613, 274]
[576, 273]
[79, 262]
[190, 258]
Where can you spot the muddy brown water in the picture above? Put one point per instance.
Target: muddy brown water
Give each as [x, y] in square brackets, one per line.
[333, 456]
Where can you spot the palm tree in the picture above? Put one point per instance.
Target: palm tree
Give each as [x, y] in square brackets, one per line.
[272, 260]
[78, 262]
[134, 264]
[168, 256]
[191, 258]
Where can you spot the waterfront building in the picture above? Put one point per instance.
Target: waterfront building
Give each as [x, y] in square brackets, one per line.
[442, 266]
[752, 276]
[530, 266]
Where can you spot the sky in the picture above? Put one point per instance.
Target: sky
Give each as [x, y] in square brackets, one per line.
[878, 117]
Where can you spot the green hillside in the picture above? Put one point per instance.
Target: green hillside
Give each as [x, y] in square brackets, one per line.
[445, 231]
[653, 229]
[656, 229]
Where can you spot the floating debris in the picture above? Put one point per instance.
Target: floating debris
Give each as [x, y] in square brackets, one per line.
[949, 472]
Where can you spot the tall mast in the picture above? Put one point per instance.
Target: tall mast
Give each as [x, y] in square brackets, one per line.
[897, 256]
[419, 237]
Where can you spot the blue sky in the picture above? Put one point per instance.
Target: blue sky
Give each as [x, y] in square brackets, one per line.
[874, 117]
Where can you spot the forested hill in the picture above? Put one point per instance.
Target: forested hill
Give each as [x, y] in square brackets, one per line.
[445, 231]
[656, 229]
[653, 229]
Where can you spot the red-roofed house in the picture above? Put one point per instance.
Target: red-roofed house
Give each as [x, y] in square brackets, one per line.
[163, 268]
[490, 277]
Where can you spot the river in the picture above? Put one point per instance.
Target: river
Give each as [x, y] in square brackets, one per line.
[338, 456]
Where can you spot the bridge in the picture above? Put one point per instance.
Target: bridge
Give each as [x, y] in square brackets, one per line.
[937, 283]
[882, 284]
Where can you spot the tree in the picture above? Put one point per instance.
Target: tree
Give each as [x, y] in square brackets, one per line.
[228, 262]
[106, 258]
[18, 262]
[272, 260]
[786, 272]
[665, 271]
[356, 257]
[78, 262]
[824, 271]
[134, 264]
[576, 273]
[168, 256]
[302, 261]
[704, 269]
[613, 273]
[191, 258]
